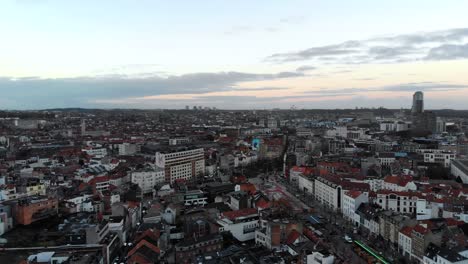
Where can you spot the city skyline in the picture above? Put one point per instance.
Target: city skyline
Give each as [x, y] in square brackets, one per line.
[242, 55]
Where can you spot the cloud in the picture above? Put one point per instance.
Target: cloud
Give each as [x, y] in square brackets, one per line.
[437, 45]
[262, 89]
[448, 52]
[34, 93]
[404, 87]
[349, 47]
[305, 68]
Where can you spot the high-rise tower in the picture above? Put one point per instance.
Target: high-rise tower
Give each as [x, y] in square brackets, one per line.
[418, 103]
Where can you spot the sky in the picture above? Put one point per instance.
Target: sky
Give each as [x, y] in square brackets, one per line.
[240, 54]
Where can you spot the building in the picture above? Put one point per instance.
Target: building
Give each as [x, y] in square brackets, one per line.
[418, 103]
[178, 141]
[424, 122]
[30, 210]
[440, 125]
[320, 257]
[459, 169]
[404, 241]
[128, 149]
[274, 232]
[188, 249]
[351, 202]
[147, 178]
[329, 190]
[401, 202]
[390, 224]
[443, 157]
[182, 165]
[444, 255]
[195, 198]
[241, 223]
[97, 152]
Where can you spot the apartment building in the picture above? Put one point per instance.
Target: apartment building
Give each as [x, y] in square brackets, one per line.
[181, 165]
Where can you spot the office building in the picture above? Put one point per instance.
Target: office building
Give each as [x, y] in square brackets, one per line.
[418, 103]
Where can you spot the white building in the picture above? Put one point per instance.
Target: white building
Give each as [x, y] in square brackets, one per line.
[306, 184]
[241, 223]
[428, 209]
[394, 126]
[443, 157]
[178, 141]
[147, 178]
[401, 202]
[182, 165]
[95, 152]
[319, 257]
[404, 241]
[127, 149]
[351, 202]
[386, 158]
[459, 168]
[82, 203]
[327, 192]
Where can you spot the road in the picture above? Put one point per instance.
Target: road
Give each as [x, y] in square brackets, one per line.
[333, 234]
[336, 223]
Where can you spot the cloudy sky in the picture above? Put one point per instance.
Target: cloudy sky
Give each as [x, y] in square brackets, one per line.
[232, 54]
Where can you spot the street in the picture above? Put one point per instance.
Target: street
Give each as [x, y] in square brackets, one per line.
[339, 227]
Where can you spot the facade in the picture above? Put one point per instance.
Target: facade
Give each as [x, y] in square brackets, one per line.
[188, 249]
[438, 156]
[127, 149]
[30, 210]
[195, 198]
[182, 165]
[351, 202]
[148, 178]
[418, 103]
[96, 152]
[401, 202]
[404, 241]
[327, 192]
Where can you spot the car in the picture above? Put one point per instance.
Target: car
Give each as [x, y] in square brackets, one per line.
[348, 239]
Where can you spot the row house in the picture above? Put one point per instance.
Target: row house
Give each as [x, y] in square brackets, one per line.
[367, 217]
[390, 224]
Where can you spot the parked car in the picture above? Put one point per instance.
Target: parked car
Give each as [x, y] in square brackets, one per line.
[348, 239]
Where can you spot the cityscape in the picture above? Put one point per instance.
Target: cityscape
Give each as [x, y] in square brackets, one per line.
[233, 132]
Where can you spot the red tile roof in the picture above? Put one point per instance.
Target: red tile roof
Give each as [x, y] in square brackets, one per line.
[143, 243]
[232, 215]
[420, 229]
[353, 194]
[293, 236]
[248, 187]
[407, 230]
